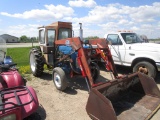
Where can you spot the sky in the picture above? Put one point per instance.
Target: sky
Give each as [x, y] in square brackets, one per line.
[23, 17]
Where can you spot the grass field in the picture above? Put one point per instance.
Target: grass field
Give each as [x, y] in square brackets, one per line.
[21, 57]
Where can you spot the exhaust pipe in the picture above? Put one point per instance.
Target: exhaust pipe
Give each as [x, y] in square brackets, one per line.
[81, 32]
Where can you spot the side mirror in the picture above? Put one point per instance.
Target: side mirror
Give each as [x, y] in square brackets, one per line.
[109, 42]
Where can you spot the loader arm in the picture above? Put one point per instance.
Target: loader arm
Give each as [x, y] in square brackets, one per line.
[76, 44]
[103, 52]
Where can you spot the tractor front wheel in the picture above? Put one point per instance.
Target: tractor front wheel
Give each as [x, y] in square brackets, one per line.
[36, 62]
[59, 78]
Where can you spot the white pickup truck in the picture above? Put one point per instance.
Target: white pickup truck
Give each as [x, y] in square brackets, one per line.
[128, 49]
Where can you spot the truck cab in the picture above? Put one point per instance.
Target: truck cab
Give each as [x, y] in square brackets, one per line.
[128, 49]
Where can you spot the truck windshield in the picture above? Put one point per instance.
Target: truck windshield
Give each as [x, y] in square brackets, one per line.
[64, 33]
[130, 38]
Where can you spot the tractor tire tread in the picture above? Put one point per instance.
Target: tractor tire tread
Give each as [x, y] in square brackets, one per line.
[38, 62]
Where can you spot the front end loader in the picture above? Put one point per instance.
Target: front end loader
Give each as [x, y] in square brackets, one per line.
[134, 97]
[128, 97]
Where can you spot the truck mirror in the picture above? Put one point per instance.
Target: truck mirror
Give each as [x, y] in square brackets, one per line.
[109, 42]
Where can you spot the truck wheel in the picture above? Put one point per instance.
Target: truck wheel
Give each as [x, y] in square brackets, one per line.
[146, 68]
[36, 62]
[94, 71]
[59, 78]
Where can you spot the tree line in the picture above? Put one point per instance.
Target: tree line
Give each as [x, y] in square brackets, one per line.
[25, 39]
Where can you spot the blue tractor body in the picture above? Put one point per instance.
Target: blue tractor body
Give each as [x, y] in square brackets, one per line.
[67, 50]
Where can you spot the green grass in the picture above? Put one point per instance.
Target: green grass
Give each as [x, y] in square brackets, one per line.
[19, 55]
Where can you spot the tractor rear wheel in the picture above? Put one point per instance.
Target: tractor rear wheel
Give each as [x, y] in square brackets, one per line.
[36, 62]
[59, 78]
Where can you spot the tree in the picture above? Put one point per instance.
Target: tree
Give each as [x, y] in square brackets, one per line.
[91, 37]
[33, 39]
[23, 38]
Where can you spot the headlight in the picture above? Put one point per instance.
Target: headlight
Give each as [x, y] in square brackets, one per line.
[9, 117]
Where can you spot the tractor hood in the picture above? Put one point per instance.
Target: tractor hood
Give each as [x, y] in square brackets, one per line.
[152, 47]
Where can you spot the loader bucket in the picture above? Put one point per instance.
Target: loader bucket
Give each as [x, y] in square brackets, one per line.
[135, 97]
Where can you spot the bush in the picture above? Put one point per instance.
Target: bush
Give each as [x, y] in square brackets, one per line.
[24, 70]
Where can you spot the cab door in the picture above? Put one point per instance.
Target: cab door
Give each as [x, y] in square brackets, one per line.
[46, 40]
[117, 48]
[50, 45]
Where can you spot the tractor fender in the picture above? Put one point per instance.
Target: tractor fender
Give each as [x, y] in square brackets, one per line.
[12, 78]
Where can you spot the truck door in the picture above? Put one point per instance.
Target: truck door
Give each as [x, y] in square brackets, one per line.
[117, 48]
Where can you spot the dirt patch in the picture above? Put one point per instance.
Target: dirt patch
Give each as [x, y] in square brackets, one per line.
[67, 105]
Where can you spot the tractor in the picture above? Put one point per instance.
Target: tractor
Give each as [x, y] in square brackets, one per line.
[68, 56]
[58, 50]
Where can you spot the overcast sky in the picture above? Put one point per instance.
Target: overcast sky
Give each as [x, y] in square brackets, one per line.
[22, 17]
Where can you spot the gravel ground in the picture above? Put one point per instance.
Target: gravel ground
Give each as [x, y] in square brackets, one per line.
[68, 105]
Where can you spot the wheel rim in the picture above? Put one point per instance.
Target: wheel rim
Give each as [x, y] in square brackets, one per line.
[143, 69]
[32, 62]
[57, 79]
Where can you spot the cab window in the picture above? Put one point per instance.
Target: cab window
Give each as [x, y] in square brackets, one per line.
[64, 33]
[41, 36]
[51, 36]
[114, 39]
